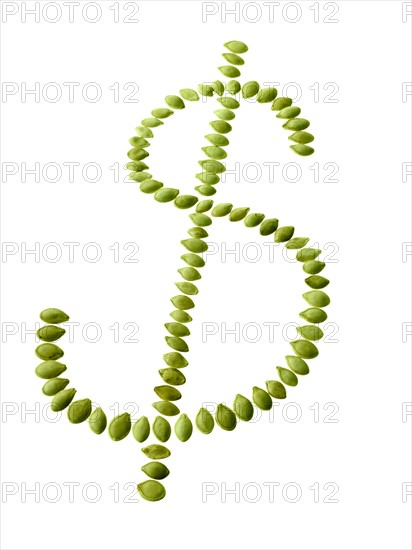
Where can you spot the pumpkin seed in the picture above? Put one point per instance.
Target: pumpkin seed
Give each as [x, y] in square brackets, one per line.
[302, 137]
[238, 214]
[268, 226]
[243, 408]
[156, 451]
[213, 166]
[175, 102]
[261, 399]
[283, 234]
[98, 421]
[144, 132]
[310, 332]
[180, 316]
[198, 233]
[49, 352]
[168, 393]
[221, 126]
[222, 209]
[120, 426]
[189, 273]
[185, 201]
[289, 112]
[62, 399]
[218, 87]
[317, 281]
[151, 122]
[177, 329]
[183, 428]
[201, 220]
[297, 242]
[306, 254]
[150, 186]
[206, 190]
[296, 124]
[266, 95]
[162, 112]
[205, 89]
[140, 176]
[229, 71]
[173, 376]
[253, 220]
[193, 259]
[195, 245]
[79, 411]
[50, 369]
[141, 429]
[225, 418]
[208, 177]
[276, 389]
[297, 364]
[137, 166]
[166, 408]
[305, 349]
[316, 298]
[313, 267]
[176, 343]
[187, 288]
[161, 429]
[204, 421]
[302, 150]
[156, 470]
[151, 490]
[54, 385]
[138, 142]
[204, 206]
[53, 316]
[233, 87]
[281, 103]
[189, 94]
[216, 139]
[137, 154]
[250, 89]
[287, 376]
[314, 315]
[215, 152]
[236, 46]
[174, 359]
[166, 194]
[233, 58]
[229, 102]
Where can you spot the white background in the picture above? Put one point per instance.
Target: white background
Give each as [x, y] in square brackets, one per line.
[362, 374]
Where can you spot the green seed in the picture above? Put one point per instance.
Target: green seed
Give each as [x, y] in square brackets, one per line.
[98, 421]
[266, 95]
[233, 58]
[185, 201]
[156, 452]
[225, 114]
[137, 166]
[204, 421]
[225, 418]
[162, 112]
[229, 71]
[54, 385]
[297, 242]
[217, 139]
[218, 87]
[229, 102]
[213, 166]
[176, 360]
[173, 376]
[198, 233]
[281, 103]
[250, 89]
[49, 352]
[206, 190]
[175, 102]
[313, 267]
[297, 364]
[302, 150]
[150, 186]
[305, 349]
[283, 234]
[205, 90]
[187, 288]
[208, 177]
[302, 137]
[144, 132]
[268, 226]
[233, 87]
[243, 408]
[276, 389]
[193, 259]
[176, 343]
[161, 429]
[183, 428]
[253, 220]
[201, 220]
[261, 399]
[177, 329]
[238, 214]
[306, 254]
[53, 316]
[310, 332]
[166, 194]
[156, 470]
[137, 154]
[222, 209]
[314, 315]
[168, 393]
[189, 94]
[215, 152]
[151, 122]
[120, 426]
[289, 112]
[50, 369]
[189, 273]
[236, 46]
[141, 429]
[138, 142]
[204, 206]
[79, 411]
[221, 126]
[166, 408]
[316, 298]
[287, 376]
[140, 176]
[195, 245]
[317, 281]
[296, 124]
[181, 316]
[151, 490]
[62, 399]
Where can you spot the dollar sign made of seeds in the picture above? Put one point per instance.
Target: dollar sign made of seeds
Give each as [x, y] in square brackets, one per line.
[172, 376]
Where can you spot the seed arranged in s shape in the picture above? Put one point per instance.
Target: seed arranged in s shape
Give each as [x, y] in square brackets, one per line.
[168, 420]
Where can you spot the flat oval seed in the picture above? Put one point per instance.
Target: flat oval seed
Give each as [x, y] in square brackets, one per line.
[49, 352]
[225, 418]
[310, 332]
[141, 429]
[150, 186]
[137, 166]
[201, 220]
[205, 90]
[193, 259]
[54, 385]
[217, 139]
[155, 470]
[175, 360]
[173, 376]
[281, 103]
[181, 316]
[136, 141]
[305, 349]
[175, 102]
[302, 137]
[50, 333]
[215, 152]
[213, 166]
[177, 343]
[198, 233]
[204, 421]
[183, 428]
[250, 89]
[151, 122]
[140, 176]
[283, 234]
[156, 452]
[151, 490]
[177, 329]
[313, 267]
[195, 245]
[306, 254]
[189, 94]
[168, 393]
[161, 429]
[162, 112]
[62, 399]
[218, 87]
[268, 226]
[53, 316]
[222, 209]
[243, 408]
[166, 408]
[229, 71]
[229, 102]
[166, 194]
[206, 190]
[208, 177]
[120, 427]
[50, 369]
[297, 364]
[261, 399]
[187, 288]
[287, 376]
[221, 126]
[266, 95]
[296, 243]
[189, 273]
[317, 281]
[98, 421]
[289, 112]
[316, 298]
[238, 214]
[204, 206]
[79, 411]
[296, 124]
[253, 220]
[302, 150]
[236, 46]
[185, 201]
[233, 58]
[276, 389]
[144, 132]
[137, 154]
[314, 315]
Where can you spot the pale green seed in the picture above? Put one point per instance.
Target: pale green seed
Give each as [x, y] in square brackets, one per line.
[206, 190]
[233, 58]
[151, 490]
[49, 352]
[177, 329]
[281, 103]
[217, 139]
[141, 429]
[314, 315]
[168, 393]
[189, 94]
[166, 194]
[201, 220]
[175, 360]
[54, 385]
[205, 90]
[189, 273]
[120, 427]
[156, 452]
[195, 245]
[229, 71]
[222, 209]
[266, 95]
[136, 141]
[193, 259]
[144, 132]
[137, 166]
[297, 364]
[79, 411]
[62, 399]
[98, 421]
[253, 220]
[238, 214]
[229, 102]
[250, 89]
[305, 349]
[140, 176]
[166, 408]
[208, 177]
[187, 288]
[204, 421]
[302, 150]
[317, 298]
[233, 87]
[317, 281]
[137, 154]
[268, 226]
[236, 46]
[221, 126]
[306, 254]
[185, 201]
[313, 267]
[296, 124]
[176, 343]
[204, 206]
[151, 122]
[161, 429]
[302, 137]
[261, 399]
[287, 376]
[215, 152]
[50, 369]
[243, 408]
[181, 316]
[218, 87]
[183, 428]
[225, 418]
[175, 102]
[310, 332]
[198, 233]
[53, 316]
[283, 234]
[213, 166]
[296, 243]
[150, 186]
[276, 389]
[162, 112]
[172, 376]
[289, 112]
[155, 470]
